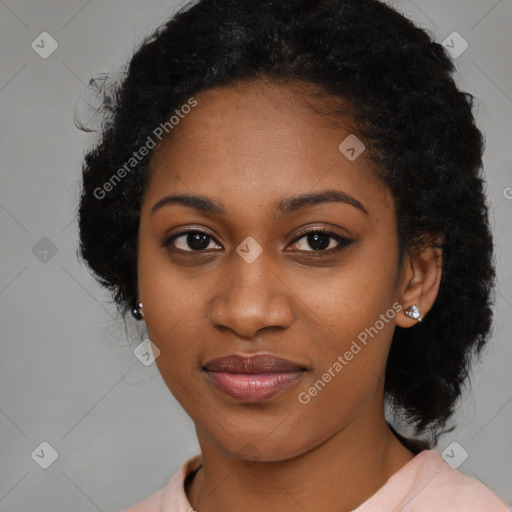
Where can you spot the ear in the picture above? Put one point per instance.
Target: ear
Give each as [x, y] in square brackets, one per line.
[419, 282]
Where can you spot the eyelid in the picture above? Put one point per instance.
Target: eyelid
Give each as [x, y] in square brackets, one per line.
[316, 229]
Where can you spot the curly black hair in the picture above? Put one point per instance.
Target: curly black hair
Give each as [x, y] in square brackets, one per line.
[418, 128]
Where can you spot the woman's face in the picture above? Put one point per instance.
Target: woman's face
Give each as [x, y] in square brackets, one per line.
[256, 283]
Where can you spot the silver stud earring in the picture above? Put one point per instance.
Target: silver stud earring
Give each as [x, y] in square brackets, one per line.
[137, 312]
[413, 312]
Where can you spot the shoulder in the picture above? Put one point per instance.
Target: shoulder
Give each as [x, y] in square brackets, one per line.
[428, 484]
[440, 486]
[151, 504]
[172, 497]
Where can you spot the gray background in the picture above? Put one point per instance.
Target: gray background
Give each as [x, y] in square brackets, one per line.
[68, 375]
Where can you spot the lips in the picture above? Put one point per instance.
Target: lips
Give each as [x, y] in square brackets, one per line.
[252, 378]
[258, 363]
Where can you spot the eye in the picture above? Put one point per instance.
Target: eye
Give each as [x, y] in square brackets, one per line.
[197, 240]
[322, 241]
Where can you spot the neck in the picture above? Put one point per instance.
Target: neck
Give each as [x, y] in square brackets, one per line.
[337, 475]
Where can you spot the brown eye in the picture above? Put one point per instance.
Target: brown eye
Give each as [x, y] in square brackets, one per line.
[322, 241]
[190, 241]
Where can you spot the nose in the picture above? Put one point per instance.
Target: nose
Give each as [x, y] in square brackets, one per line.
[250, 298]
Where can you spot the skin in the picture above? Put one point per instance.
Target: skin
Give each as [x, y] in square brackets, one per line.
[249, 146]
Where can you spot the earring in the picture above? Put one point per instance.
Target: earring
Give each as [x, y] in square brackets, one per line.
[137, 312]
[413, 312]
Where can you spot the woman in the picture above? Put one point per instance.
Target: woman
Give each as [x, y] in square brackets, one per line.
[288, 193]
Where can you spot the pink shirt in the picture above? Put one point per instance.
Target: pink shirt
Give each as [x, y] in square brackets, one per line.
[425, 484]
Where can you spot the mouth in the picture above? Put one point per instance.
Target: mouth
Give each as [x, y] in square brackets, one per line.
[252, 378]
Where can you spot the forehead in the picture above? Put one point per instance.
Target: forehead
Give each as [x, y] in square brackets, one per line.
[253, 144]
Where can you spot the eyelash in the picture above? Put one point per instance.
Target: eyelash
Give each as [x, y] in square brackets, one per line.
[342, 241]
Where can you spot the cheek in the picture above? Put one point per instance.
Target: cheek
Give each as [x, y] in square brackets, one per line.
[168, 305]
[349, 372]
[173, 322]
[352, 297]
[354, 309]
[176, 331]
[165, 297]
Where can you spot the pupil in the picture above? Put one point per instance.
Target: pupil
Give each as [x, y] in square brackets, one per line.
[194, 241]
[313, 241]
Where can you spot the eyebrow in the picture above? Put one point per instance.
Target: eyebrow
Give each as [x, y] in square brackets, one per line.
[284, 206]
